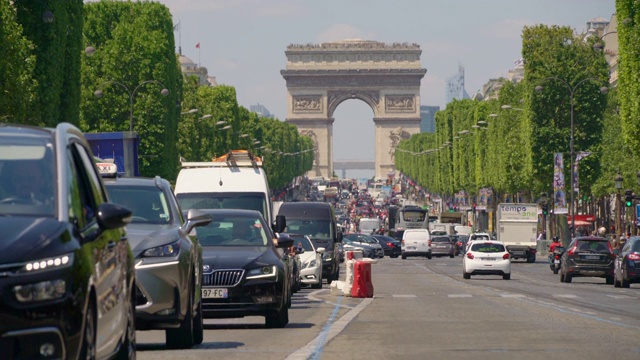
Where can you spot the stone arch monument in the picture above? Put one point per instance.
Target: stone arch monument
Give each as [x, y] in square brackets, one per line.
[385, 76]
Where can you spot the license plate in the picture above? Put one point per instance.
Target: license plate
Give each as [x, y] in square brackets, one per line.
[489, 259]
[556, 261]
[411, 247]
[215, 293]
[592, 257]
[518, 253]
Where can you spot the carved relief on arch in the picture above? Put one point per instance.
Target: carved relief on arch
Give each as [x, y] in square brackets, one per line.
[400, 103]
[307, 103]
[371, 97]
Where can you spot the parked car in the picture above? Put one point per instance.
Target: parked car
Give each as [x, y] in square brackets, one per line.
[390, 246]
[168, 261]
[627, 264]
[310, 259]
[589, 256]
[442, 246]
[68, 282]
[488, 257]
[244, 273]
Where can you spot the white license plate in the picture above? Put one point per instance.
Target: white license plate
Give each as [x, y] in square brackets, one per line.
[411, 247]
[592, 257]
[556, 261]
[215, 293]
[489, 259]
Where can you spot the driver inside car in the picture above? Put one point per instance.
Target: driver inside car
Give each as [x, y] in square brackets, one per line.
[27, 185]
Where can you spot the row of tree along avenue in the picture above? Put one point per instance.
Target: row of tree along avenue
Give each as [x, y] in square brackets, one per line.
[508, 143]
[59, 56]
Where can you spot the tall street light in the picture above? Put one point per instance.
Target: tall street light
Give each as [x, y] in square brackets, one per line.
[618, 183]
[98, 93]
[572, 90]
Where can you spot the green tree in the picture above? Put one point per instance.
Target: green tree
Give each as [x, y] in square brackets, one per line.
[17, 63]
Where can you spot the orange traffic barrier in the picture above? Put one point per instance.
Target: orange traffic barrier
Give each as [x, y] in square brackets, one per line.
[362, 285]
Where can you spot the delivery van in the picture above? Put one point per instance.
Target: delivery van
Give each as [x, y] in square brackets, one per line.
[235, 180]
[416, 242]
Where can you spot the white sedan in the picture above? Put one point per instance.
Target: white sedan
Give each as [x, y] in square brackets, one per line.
[489, 257]
[310, 260]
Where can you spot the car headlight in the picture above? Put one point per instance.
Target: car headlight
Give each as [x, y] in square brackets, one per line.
[168, 250]
[262, 272]
[44, 290]
[52, 263]
[309, 264]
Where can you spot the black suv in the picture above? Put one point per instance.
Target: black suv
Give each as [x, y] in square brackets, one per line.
[66, 270]
[168, 261]
[588, 256]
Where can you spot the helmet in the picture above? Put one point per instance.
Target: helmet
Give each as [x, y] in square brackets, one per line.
[555, 238]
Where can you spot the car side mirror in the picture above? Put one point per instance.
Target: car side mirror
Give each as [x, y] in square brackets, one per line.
[280, 225]
[195, 218]
[320, 250]
[113, 216]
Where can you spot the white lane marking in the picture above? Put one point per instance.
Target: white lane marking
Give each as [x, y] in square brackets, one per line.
[310, 348]
[459, 295]
[403, 296]
[621, 296]
[565, 296]
[513, 295]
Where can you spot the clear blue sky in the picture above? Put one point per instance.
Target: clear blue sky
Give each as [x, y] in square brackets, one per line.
[242, 43]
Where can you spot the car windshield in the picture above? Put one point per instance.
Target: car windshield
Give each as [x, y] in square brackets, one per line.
[224, 200]
[488, 248]
[147, 203]
[27, 175]
[315, 229]
[233, 231]
[440, 239]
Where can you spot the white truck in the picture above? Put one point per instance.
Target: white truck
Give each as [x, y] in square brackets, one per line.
[517, 227]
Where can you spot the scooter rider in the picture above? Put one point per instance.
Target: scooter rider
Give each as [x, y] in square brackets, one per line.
[556, 243]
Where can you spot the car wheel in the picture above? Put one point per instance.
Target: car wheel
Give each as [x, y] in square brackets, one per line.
[198, 326]
[88, 349]
[329, 280]
[466, 275]
[610, 280]
[429, 256]
[182, 337]
[128, 347]
[624, 283]
[506, 277]
[277, 318]
[568, 278]
[452, 256]
[404, 257]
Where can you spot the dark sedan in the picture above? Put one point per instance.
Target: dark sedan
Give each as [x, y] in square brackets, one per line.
[588, 256]
[627, 265]
[390, 246]
[67, 289]
[168, 261]
[245, 273]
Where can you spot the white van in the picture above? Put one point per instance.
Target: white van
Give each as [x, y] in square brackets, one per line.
[233, 181]
[369, 225]
[416, 242]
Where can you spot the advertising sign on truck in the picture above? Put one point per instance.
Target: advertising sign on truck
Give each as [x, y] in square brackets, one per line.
[517, 227]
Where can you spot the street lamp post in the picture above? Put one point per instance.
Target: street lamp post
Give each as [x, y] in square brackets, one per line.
[98, 93]
[618, 183]
[572, 90]
[130, 159]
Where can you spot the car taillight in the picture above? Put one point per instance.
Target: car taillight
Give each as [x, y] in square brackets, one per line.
[390, 244]
[572, 250]
[634, 257]
[505, 256]
[470, 256]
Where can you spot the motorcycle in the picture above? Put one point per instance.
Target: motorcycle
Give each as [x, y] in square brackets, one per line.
[555, 259]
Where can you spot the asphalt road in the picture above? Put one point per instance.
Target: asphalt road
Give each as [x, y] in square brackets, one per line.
[425, 309]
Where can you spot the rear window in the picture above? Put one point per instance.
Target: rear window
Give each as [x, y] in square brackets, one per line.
[593, 245]
[440, 239]
[411, 235]
[487, 248]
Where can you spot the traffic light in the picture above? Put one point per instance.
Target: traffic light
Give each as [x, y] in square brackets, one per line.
[545, 209]
[474, 207]
[628, 198]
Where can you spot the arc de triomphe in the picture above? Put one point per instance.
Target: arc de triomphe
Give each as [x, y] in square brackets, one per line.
[385, 76]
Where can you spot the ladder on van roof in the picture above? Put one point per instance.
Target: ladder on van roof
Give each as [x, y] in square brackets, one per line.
[234, 158]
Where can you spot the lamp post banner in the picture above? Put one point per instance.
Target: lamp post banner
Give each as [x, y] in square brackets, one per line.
[581, 155]
[559, 197]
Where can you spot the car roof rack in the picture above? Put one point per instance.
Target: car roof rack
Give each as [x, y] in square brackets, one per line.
[234, 158]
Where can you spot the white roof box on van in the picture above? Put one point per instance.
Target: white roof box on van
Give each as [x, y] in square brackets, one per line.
[234, 158]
